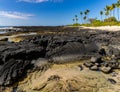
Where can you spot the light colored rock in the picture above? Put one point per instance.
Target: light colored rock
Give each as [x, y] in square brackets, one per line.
[93, 59]
[105, 69]
[88, 64]
[94, 67]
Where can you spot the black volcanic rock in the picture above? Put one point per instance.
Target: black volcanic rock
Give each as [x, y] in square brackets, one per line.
[67, 45]
[102, 64]
[40, 47]
[15, 60]
[114, 51]
[102, 52]
[24, 51]
[111, 81]
[67, 49]
[12, 70]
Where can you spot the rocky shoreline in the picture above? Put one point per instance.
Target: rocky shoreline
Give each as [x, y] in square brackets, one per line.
[58, 45]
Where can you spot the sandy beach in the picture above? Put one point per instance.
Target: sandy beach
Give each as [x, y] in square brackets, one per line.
[103, 28]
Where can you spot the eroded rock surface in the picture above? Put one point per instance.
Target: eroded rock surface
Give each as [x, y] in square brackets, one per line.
[54, 48]
[68, 78]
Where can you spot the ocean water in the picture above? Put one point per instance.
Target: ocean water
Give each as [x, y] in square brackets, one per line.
[3, 31]
[5, 26]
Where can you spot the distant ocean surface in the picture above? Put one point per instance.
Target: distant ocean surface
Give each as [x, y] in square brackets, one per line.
[5, 26]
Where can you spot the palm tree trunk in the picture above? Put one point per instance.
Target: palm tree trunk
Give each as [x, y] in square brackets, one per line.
[101, 18]
[76, 21]
[118, 13]
[110, 14]
[113, 13]
[105, 16]
[81, 19]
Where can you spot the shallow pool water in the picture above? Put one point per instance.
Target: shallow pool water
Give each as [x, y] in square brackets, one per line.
[3, 32]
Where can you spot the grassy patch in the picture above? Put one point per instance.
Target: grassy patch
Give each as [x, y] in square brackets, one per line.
[111, 21]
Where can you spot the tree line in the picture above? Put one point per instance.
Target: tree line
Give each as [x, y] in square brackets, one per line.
[108, 11]
[82, 17]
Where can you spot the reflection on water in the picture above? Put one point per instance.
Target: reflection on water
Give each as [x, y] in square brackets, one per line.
[13, 37]
[24, 34]
[3, 32]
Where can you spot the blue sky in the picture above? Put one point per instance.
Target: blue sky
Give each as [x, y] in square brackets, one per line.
[47, 12]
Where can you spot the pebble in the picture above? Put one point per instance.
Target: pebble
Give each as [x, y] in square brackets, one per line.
[114, 74]
[94, 67]
[112, 81]
[81, 67]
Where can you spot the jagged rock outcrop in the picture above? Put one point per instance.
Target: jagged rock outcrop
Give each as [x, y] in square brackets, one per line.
[55, 48]
[15, 58]
[24, 51]
[12, 70]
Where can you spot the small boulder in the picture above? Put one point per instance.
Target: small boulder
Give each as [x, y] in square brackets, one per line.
[114, 64]
[99, 60]
[119, 66]
[97, 64]
[114, 74]
[105, 64]
[81, 67]
[4, 39]
[112, 81]
[106, 69]
[102, 52]
[88, 64]
[93, 59]
[94, 68]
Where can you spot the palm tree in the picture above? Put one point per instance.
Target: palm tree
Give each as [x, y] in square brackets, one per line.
[101, 13]
[118, 6]
[76, 18]
[110, 9]
[113, 8]
[87, 12]
[81, 13]
[107, 11]
[73, 20]
[84, 18]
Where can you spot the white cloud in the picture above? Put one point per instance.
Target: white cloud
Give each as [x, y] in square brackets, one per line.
[39, 1]
[15, 15]
[34, 1]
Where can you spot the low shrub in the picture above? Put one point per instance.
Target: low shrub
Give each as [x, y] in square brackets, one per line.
[110, 19]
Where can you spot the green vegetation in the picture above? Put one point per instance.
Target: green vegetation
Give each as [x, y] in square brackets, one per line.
[108, 17]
